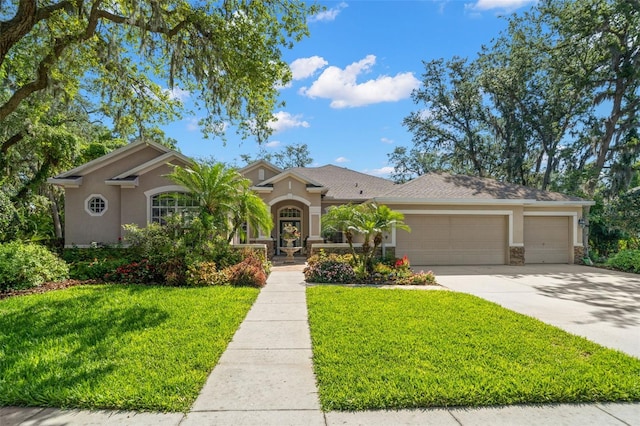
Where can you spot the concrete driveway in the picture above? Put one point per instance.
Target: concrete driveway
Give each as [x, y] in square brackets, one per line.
[601, 305]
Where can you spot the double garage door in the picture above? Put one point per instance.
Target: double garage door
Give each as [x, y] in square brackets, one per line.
[481, 239]
[454, 240]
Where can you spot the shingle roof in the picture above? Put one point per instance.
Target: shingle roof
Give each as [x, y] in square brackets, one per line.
[446, 186]
[346, 184]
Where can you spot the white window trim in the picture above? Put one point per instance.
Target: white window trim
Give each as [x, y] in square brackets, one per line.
[169, 188]
[88, 210]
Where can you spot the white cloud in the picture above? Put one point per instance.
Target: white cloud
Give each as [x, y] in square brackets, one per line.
[341, 87]
[386, 140]
[273, 144]
[283, 120]
[384, 171]
[329, 14]
[192, 124]
[508, 5]
[178, 94]
[306, 67]
[342, 160]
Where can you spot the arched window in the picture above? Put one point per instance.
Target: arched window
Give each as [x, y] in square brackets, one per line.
[290, 212]
[166, 204]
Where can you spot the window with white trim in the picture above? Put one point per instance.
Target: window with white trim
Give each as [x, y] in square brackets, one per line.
[169, 203]
[96, 205]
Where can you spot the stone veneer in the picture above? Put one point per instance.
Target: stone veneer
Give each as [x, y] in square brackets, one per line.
[578, 254]
[516, 256]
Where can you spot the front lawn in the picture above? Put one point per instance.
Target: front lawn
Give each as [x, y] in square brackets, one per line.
[116, 346]
[377, 349]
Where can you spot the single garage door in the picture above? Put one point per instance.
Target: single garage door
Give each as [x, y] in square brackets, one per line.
[454, 240]
[546, 239]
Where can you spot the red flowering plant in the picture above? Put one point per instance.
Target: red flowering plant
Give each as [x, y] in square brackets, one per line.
[402, 267]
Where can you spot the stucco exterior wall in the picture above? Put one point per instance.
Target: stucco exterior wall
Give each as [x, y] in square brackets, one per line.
[254, 174]
[135, 204]
[124, 205]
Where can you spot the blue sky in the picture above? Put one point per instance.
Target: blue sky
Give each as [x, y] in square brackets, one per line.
[353, 78]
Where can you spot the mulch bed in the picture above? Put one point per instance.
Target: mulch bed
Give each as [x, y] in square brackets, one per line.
[50, 286]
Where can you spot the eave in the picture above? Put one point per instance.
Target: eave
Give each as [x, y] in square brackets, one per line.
[66, 182]
[128, 182]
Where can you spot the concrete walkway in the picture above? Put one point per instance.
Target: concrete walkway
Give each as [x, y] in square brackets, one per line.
[265, 377]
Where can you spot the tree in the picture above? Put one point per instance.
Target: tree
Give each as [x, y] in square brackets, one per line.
[370, 221]
[452, 121]
[224, 198]
[599, 40]
[296, 155]
[291, 156]
[535, 104]
[409, 164]
[252, 210]
[229, 51]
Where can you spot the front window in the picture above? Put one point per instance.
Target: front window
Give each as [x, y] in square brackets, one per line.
[169, 203]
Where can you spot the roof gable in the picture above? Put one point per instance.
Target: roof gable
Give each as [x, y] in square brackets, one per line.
[289, 173]
[112, 157]
[260, 163]
[154, 163]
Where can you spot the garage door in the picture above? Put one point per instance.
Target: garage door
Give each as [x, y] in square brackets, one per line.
[454, 240]
[546, 239]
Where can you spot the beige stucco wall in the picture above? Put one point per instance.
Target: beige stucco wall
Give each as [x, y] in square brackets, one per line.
[124, 205]
[135, 204]
[253, 174]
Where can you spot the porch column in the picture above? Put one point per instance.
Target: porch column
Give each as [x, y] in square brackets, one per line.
[315, 227]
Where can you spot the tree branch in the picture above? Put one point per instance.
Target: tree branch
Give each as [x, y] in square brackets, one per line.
[28, 14]
[42, 79]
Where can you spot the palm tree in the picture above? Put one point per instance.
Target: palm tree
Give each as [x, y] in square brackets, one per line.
[251, 209]
[369, 220]
[224, 197]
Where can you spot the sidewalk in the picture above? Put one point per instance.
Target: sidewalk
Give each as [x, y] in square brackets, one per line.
[265, 377]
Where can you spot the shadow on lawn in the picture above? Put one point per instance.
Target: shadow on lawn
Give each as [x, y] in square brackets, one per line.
[49, 348]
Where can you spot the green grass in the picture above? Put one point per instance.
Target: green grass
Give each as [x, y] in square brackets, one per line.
[115, 346]
[377, 349]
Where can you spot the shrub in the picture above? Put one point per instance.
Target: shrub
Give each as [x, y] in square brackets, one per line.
[172, 271]
[143, 272]
[626, 260]
[29, 265]
[248, 273]
[329, 269]
[323, 256]
[75, 254]
[421, 278]
[95, 269]
[156, 243]
[205, 274]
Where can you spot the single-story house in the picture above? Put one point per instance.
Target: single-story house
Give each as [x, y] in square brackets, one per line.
[453, 219]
